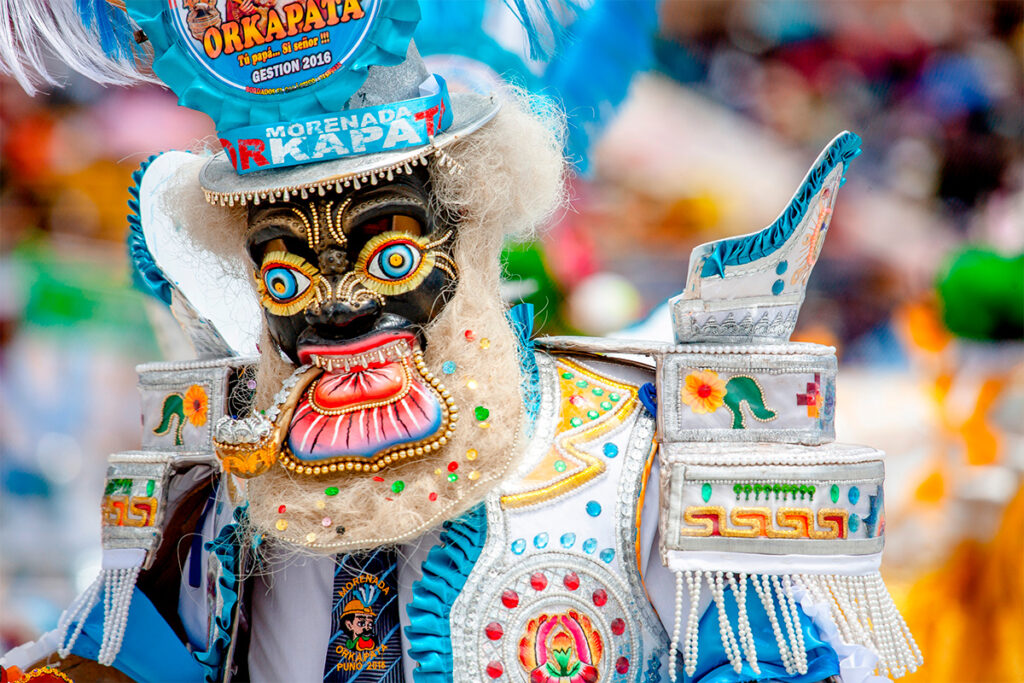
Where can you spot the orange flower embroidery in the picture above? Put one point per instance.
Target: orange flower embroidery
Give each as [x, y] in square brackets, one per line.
[704, 391]
[195, 405]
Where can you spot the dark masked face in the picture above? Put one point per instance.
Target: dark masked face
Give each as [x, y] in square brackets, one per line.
[335, 273]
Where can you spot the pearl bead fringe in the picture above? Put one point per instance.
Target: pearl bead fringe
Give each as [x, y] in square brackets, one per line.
[116, 586]
[860, 606]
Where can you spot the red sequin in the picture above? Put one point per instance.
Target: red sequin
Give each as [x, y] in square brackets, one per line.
[600, 597]
[510, 599]
[432, 496]
[452, 466]
[538, 581]
[622, 665]
[495, 669]
[571, 581]
[469, 335]
[281, 509]
[618, 626]
[494, 631]
[378, 478]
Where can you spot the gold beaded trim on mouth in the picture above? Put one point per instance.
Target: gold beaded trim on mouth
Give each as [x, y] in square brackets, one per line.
[311, 396]
[394, 454]
[337, 183]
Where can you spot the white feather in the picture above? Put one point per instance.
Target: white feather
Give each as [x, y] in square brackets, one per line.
[34, 35]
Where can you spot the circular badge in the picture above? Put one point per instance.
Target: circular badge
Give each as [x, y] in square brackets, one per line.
[272, 46]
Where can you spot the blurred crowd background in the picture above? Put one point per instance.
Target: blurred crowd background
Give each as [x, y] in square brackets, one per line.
[920, 286]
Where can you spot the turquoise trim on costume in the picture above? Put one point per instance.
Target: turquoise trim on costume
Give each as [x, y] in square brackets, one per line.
[385, 44]
[445, 572]
[521, 317]
[150, 651]
[749, 248]
[146, 274]
[227, 548]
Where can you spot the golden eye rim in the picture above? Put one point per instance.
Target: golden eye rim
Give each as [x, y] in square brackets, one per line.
[279, 259]
[378, 243]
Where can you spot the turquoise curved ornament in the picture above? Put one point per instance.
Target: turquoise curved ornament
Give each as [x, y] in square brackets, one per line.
[262, 70]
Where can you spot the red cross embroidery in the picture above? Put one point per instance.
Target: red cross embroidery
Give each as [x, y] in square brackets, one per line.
[812, 399]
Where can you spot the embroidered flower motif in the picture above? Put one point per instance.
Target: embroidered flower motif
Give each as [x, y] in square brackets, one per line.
[704, 391]
[195, 405]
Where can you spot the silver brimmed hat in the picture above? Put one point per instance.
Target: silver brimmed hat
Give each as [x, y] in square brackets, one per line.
[327, 98]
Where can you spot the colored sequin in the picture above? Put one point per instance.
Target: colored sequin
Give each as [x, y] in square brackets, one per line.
[150, 487]
[618, 626]
[781, 267]
[281, 509]
[593, 508]
[853, 522]
[582, 383]
[483, 425]
[481, 413]
[331, 491]
[541, 540]
[606, 405]
[600, 597]
[339, 530]
[567, 375]
[575, 422]
[597, 391]
[398, 486]
[453, 477]
[485, 343]
[320, 505]
[622, 665]
[495, 669]
[472, 453]
[777, 287]
[834, 493]
[468, 334]
[518, 546]
[452, 466]
[448, 367]
[432, 497]
[853, 495]
[538, 581]
[607, 555]
[471, 384]
[593, 414]
[510, 599]
[610, 450]
[282, 524]
[310, 537]
[614, 397]
[589, 546]
[378, 479]
[571, 581]
[474, 475]
[494, 631]
[705, 492]
[568, 540]
[577, 401]
[560, 466]
[326, 521]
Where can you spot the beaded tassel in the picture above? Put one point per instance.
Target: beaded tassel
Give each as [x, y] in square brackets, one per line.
[76, 613]
[119, 584]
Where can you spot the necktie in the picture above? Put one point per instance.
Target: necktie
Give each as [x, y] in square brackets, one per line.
[365, 644]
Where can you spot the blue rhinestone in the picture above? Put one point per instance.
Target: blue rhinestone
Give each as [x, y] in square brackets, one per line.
[853, 522]
[448, 367]
[589, 546]
[781, 268]
[518, 546]
[607, 555]
[777, 287]
[853, 495]
[568, 540]
[541, 540]
[611, 450]
[593, 508]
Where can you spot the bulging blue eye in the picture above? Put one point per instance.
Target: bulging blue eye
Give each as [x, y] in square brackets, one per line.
[394, 261]
[284, 283]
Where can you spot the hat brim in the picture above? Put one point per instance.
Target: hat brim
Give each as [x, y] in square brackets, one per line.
[222, 184]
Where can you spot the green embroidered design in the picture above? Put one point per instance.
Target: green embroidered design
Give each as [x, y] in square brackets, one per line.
[174, 407]
[742, 389]
[122, 485]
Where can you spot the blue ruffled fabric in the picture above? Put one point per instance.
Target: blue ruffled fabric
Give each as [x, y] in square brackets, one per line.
[445, 572]
[750, 248]
[714, 667]
[227, 548]
[384, 45]
[146, 274]
[521, 317]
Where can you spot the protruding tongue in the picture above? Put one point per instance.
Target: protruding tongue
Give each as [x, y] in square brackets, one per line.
[360, 386]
